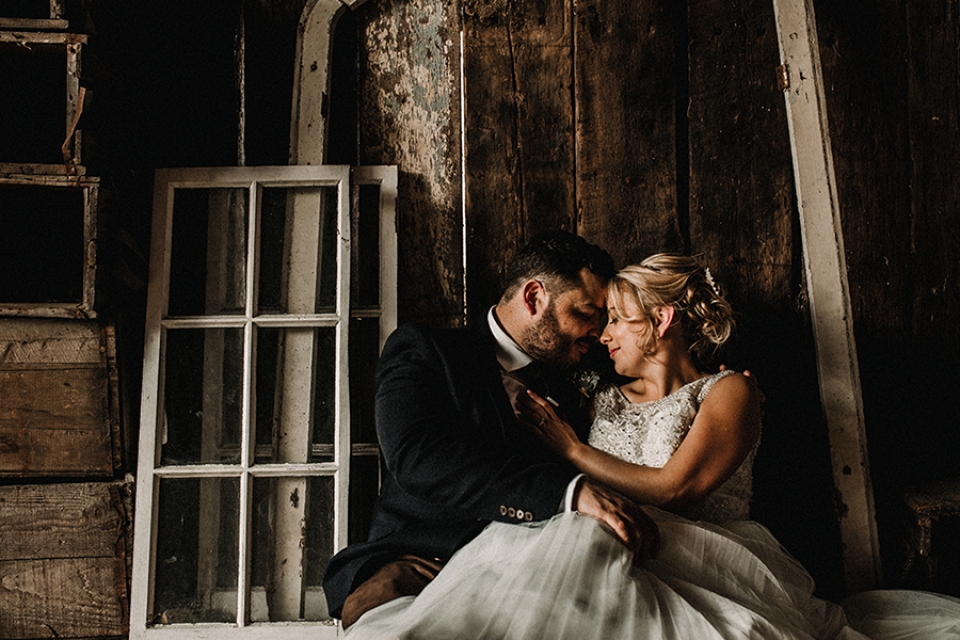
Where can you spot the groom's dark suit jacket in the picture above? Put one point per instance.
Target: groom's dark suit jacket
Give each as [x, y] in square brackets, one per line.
[456, 456]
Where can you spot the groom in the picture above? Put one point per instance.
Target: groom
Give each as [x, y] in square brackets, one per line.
[456, 455]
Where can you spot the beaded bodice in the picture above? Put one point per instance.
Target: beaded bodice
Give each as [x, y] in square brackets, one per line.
[648, 433]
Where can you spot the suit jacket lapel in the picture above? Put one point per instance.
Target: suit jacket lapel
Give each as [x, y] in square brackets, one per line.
[489, 376]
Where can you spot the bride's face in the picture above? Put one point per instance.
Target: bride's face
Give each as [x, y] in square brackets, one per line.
[623, 339]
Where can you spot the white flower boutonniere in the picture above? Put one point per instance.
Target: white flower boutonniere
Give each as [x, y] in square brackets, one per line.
[587, 381]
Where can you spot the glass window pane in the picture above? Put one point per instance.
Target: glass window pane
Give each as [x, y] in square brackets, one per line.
[208, 252]
[202, 400]
[292, 543]
[295, 390]
[298, 250]
[364, 351]
[197, 552]
[365, 246]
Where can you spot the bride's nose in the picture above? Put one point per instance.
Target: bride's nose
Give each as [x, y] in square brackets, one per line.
[605, 337]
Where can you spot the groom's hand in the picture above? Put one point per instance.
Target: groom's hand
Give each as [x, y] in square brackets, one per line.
[623, 516]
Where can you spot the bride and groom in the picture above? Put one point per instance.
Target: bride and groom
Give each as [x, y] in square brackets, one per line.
[505, 513]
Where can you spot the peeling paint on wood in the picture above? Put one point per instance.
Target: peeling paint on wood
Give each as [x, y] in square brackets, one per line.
[410, 114]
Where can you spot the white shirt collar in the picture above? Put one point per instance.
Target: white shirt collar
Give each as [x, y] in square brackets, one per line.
[509, 354]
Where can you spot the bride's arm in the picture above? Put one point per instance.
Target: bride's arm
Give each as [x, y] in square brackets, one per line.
[724, 431]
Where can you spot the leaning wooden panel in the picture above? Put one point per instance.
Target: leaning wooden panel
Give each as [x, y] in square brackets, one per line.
[827, 289]
[628, 83]
[56, 413]
[63, 560]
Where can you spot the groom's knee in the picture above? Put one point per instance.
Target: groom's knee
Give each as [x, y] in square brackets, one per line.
[406, 576]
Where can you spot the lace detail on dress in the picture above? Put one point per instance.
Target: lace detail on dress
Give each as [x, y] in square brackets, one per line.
[649, 432]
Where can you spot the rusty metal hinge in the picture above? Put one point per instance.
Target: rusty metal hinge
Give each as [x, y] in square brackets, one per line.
[783, 78]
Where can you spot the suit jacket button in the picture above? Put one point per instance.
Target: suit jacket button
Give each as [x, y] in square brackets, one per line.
[503, 510]
[528, 516]
[519, 514]
[511, 512]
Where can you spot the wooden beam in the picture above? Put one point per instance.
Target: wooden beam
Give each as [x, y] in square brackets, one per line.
[827, 289]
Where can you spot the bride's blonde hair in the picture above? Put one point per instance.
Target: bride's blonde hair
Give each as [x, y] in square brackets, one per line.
[678, 281]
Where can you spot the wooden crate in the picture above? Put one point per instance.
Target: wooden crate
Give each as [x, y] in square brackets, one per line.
[58, 399]
[63, 560]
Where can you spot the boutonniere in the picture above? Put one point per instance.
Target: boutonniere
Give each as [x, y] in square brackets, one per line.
[587, 381]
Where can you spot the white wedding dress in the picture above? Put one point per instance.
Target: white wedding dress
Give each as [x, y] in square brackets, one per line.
[716, 575]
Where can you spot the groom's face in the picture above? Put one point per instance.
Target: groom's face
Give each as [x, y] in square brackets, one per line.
[569, 325]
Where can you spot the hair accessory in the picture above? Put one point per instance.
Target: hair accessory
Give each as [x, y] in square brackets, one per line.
[710, 281]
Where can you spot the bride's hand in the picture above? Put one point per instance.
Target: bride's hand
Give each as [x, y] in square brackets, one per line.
[558, 436]
[756, 385]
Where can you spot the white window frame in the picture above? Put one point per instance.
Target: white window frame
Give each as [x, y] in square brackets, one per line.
[150, 470]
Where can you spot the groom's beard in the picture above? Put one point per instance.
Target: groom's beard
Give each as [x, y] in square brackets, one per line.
[545, 342]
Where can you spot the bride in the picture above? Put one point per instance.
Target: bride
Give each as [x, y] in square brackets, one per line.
[681, 441]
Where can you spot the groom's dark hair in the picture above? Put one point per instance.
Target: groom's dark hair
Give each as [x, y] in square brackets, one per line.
[558, 256]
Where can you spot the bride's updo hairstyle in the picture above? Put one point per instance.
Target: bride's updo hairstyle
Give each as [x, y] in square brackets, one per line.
[678, 281]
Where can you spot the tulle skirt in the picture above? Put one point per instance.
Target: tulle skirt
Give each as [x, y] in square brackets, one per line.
[569, 578]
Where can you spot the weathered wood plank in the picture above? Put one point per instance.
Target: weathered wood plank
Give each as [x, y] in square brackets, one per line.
[628, 80]
[520, 155]
[41, 341]
[77, 520]
[52, 423]
[828, 291]
[934, 100]
[410, 116]
[64, 552]
[66, 598]
[741, 181]
[58, 407]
